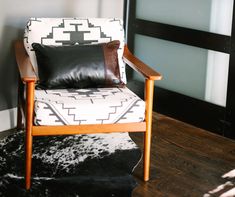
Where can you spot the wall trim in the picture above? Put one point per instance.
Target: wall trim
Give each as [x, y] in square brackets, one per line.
[8, 119]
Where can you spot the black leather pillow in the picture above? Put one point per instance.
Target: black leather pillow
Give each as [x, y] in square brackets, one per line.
[78, 66]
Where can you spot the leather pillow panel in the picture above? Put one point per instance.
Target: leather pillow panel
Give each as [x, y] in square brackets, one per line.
[78, 66]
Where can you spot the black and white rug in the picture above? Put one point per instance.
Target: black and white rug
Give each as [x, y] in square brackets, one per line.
[80, 165]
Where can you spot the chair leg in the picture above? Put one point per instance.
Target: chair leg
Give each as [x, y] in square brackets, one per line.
[28, 159]
[149, 89]
[29, 137]
[19, 105]
[19, 119]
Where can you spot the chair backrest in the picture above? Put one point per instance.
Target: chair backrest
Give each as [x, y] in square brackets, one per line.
[70, 31]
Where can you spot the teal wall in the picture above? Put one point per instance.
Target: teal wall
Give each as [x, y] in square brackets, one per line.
[183, 67]
[187, 13]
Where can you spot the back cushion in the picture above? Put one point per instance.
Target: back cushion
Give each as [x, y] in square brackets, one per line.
[71, 31]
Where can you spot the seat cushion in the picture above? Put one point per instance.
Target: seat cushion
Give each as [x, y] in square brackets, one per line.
[87, 106]
[71, 31]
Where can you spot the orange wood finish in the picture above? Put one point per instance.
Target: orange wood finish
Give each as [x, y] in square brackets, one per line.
[29, 137]
[28, 76]
[149, 90]
[139, 66]
[25, 67]
[88, 129]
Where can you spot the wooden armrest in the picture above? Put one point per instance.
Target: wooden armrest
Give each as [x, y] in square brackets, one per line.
[139, 66]
[25, 67]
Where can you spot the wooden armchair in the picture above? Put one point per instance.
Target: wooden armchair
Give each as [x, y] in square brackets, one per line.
[29, 77]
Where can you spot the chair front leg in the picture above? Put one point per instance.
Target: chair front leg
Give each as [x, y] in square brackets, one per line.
[29, 137]
[149, 90]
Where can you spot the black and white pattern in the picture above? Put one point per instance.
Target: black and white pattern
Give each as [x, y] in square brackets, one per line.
[70, 31]
[87, 106]
[79, 165]
[74, 107]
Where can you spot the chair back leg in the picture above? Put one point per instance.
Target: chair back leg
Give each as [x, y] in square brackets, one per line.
[20, 125]
[149, 89]
[29, 137]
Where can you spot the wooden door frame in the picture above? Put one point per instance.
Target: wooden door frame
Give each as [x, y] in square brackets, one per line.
[200, 113]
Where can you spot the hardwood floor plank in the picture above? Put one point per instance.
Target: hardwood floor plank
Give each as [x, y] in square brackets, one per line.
[185, 160]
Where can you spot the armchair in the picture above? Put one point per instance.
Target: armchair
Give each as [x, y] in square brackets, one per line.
[41, 111]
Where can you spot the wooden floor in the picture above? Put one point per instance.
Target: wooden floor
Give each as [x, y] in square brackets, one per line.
[186, 161]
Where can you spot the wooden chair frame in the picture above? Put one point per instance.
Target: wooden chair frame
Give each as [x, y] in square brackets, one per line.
[28, 78]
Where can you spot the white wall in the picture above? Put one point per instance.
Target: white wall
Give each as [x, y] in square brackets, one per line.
[13, 17]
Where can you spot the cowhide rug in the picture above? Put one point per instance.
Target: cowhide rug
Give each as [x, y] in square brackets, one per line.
[80, 165]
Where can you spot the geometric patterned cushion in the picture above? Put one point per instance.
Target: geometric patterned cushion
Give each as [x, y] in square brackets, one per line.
[87, 106]
[71, 31]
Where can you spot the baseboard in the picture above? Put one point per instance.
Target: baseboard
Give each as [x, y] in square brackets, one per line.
[8, 119]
